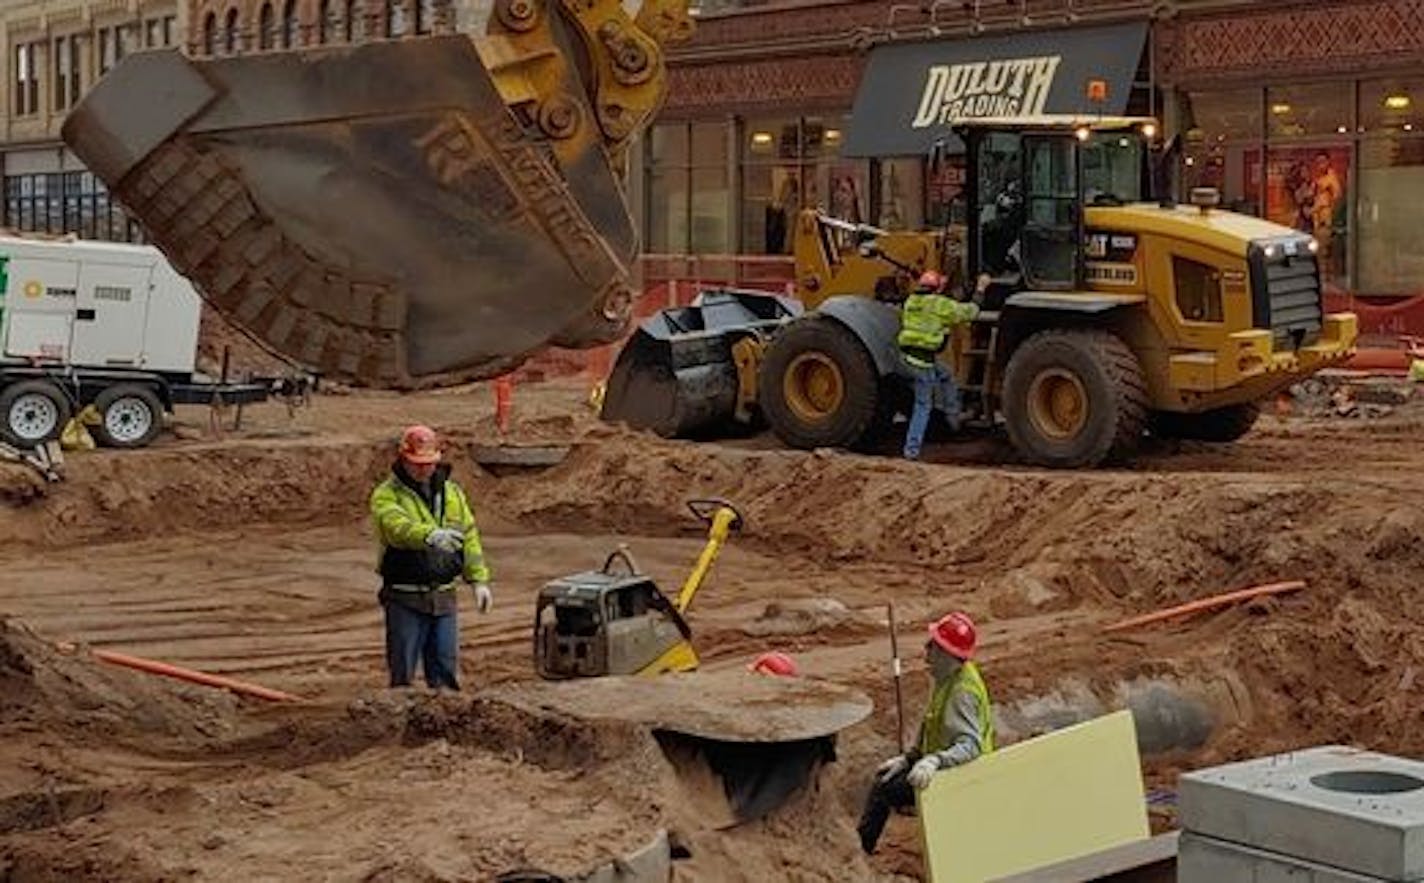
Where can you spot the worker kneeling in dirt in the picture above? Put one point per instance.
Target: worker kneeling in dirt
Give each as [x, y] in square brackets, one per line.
[428, 540]
[958, 726]
[926, 320]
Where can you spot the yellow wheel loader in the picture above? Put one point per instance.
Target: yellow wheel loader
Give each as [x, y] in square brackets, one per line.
[400, 213]
[1104, 316]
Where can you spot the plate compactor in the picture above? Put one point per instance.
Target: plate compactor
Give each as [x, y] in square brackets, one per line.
[598, 634]
[616, 621]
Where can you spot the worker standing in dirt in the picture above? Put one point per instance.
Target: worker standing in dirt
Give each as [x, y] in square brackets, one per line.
[428, 541]
[958, 726]
[926, 320]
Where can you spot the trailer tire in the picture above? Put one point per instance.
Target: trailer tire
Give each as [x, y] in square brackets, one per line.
[1217, 425]
[130, 416]
[1074, 398]
[33, 412]
[818, 386]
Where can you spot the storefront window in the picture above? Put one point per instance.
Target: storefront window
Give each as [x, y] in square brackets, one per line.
[688, 206]
[67, 202]
[1392, 106]
[793, 163]
[1223, 131]
[900, 187]
[667, 211]
[1307, 188]
[1391, 249]
[1308, 111]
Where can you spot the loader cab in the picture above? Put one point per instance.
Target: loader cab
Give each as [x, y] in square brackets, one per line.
[1027, 184]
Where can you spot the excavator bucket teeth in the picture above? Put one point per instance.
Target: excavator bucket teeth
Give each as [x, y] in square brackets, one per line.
[676, 375]
[375, 212]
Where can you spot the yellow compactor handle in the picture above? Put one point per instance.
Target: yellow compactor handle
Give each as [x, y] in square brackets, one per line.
[722, 518]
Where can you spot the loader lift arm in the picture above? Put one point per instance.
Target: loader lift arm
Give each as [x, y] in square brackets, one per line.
[405, 213]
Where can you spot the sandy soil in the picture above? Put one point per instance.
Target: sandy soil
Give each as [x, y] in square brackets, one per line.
[246, 553]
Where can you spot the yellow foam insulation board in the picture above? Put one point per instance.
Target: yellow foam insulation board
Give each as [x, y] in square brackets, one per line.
[1061, 796]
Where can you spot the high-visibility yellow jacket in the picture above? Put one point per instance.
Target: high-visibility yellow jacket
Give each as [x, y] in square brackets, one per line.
[403, 519]
[959, 722]
[925, 322]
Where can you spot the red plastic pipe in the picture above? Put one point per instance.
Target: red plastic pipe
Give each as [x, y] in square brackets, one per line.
[197, 677]
[1206, 604]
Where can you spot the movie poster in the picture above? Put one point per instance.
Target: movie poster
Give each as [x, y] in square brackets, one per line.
[1307, 188]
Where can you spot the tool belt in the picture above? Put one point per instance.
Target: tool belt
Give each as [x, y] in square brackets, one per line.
[430, 600]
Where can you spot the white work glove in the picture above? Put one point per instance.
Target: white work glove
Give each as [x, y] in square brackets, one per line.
[445, 539]
[484, 598]
[892, 767]
[923, 770]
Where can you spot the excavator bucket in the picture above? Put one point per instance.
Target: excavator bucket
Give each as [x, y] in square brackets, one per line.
[678, 374]
[404, 213]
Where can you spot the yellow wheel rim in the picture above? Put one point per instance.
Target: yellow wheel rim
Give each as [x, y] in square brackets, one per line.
[1058, 404]
[814, 387]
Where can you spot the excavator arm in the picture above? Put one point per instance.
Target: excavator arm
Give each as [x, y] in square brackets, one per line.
[400, 214]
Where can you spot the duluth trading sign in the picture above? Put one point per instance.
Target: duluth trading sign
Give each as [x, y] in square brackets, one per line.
[913, 92]
[1015, 88]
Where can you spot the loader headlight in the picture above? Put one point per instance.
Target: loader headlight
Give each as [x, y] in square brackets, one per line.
[1314, 247]
[1270, 252]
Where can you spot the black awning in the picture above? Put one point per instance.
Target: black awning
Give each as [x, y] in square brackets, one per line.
[912, 93]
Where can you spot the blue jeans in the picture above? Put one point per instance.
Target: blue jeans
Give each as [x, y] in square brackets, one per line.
[928, 381]
[413, 638]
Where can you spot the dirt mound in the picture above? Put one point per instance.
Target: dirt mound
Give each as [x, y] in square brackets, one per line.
[150, 493]
[45, 691]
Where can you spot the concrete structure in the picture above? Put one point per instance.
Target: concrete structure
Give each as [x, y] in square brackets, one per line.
[55, 50]
[1330, 813]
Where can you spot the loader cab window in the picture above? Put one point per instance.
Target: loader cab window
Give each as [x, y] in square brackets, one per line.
[1049, 245]
[998, 173]
[1112, 169]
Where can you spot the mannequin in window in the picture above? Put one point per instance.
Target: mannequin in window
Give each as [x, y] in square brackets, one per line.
[778, 216]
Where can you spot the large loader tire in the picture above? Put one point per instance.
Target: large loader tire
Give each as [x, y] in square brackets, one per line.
[818, 386]
[1074, 398]
[1218, 425]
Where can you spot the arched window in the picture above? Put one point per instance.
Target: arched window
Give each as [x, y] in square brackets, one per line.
[210, 34]
[424, 16]
[266, 28]
[355, 21]
[230, 38]
[395, 18]
[289, 24]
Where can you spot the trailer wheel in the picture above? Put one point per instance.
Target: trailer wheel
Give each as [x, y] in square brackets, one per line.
[1074, 398]
[34, 412]
[130, 416]
[1218, 425]
[818, 385]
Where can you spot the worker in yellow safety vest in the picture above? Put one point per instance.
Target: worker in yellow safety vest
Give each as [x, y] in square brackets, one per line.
[926, 320]
[427, 542]
[958, 726]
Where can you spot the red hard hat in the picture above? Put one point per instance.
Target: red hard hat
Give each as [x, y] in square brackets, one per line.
[955, 635]
[774, 663]
[419, 445]
[930, 281]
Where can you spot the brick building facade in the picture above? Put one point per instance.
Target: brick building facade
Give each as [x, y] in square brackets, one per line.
[55, 50]
[1310, 112]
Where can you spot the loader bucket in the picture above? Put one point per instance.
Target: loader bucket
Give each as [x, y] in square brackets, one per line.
[374, 212]
[676, 375]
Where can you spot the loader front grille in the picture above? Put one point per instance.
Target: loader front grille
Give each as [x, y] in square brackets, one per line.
[1285, 282]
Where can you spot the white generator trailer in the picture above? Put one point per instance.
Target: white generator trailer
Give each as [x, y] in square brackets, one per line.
[101, 323]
